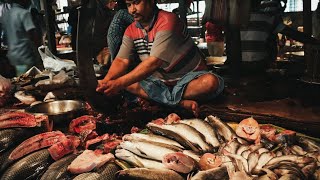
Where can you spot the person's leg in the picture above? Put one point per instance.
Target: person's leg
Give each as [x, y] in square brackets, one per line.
[137, 90]
[201, 87]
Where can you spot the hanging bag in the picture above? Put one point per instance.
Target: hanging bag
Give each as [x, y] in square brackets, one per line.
[52, 62]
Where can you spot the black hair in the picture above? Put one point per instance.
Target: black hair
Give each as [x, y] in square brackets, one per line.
[121, 4]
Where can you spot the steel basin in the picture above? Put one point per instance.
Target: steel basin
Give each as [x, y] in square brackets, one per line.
[61, 112]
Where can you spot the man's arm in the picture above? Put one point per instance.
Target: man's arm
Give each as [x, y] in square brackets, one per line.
[117, 69]
[142, 71]
[111, 85]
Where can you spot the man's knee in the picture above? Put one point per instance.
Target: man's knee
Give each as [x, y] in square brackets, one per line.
[210, 82]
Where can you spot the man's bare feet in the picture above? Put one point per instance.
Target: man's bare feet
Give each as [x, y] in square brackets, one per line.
[191, 106]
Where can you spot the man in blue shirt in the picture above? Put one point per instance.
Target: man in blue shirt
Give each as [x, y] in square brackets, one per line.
[22, 37]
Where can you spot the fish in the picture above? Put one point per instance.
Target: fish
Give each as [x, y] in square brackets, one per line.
[210, 161]
[36, 142]
[205, 129]
[232, 146]
[151, 137]
[183, 134]
[195, 156]
[218, 173]
[15, 115]
[289, 177]
[63, 147]
[82, 123]
[286, 137]
[148, 174]
[310, 145]
[241, 162]
[150, 150]
[249, 129]
[253, 159]
[88, 160]
[264, 159]
[291, 158]
[107, 171]
[179, 162]
[14, 136]
[58, 169]
[5, 162]
[29, 167]
[138, 161]
[268, 131]
[223, 129]
[270, 175]
[172, 118]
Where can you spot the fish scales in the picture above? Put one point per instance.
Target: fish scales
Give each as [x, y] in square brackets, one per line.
[107, 171]
[138, 161]
[13, 136]
[147, 149]
[28, 167]
[148, 174]
[5, 162]
[153, 138]
[187, 133]
[58, 169]
[205, 129]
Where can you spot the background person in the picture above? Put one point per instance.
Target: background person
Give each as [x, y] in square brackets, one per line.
[22, 37]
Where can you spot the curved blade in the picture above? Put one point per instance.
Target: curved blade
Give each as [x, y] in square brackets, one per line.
[88, 80]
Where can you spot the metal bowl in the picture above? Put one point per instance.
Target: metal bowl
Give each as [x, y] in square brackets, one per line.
[61, 112]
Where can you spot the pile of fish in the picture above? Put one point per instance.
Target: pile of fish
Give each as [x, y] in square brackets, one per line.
[211, 149]
[171, 148]
[28, 153]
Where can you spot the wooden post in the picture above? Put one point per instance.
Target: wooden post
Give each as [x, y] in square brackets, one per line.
[49, 18]
[183, 11]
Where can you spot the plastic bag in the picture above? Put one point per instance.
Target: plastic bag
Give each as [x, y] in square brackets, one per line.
[54, 63]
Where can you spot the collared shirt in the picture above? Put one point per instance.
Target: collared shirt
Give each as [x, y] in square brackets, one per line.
[17, 22]
[166, 39]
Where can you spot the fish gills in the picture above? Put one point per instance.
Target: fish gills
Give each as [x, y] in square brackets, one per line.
[29, 167]
[148, 174]
[58, 169]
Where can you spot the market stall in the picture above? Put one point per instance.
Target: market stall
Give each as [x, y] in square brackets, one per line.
[55, 125]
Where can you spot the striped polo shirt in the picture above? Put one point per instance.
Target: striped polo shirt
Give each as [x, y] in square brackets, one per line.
[166, 39]
[258, 39]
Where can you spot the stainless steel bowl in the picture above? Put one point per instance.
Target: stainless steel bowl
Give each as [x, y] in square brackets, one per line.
[61, 112]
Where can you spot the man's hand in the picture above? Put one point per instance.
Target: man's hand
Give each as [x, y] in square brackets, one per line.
[109, 88]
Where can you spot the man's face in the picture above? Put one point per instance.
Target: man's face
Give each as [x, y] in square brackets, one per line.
[141, 10]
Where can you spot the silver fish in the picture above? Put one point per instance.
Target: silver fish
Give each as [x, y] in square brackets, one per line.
[182, 133]
[148, 174]
[253, 159]
[107, 171]
[138, 161]
[289, 177]
[264, 158]
[224, 130]
[150, 150]
[151, 137]
[218, 173]
[311, 146]
[205, 129]
[292, 158]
